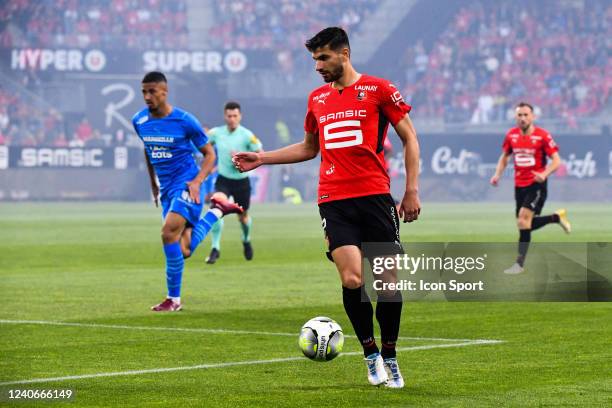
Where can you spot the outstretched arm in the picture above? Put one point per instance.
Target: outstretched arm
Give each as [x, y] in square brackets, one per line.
[153, 180]
[410, 207]
[295, 153]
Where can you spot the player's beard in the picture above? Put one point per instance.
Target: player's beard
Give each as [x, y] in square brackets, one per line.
[155, 110]
[525, 128]
[153, 107]
[334, 75]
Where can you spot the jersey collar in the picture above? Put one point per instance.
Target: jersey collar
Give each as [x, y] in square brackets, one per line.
[349, 86]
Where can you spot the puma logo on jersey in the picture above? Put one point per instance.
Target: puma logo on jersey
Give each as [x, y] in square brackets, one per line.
[321, 97]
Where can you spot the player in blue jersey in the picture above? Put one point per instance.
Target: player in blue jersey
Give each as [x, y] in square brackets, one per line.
[169, 134]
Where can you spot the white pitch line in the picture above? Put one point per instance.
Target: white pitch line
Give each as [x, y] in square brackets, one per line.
[192, 330]
[230, 364]
[127, 327]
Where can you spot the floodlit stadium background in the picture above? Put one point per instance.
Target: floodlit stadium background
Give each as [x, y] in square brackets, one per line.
[70, 73]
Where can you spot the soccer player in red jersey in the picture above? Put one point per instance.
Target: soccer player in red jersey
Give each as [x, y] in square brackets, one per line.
[530, 145]
[347, 120]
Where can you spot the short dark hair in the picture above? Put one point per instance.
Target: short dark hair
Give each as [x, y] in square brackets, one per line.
[335, 37]
[231, 105]
[524, 105]
[154, 76]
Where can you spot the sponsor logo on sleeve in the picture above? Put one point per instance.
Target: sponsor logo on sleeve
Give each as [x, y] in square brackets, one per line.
[397, 98]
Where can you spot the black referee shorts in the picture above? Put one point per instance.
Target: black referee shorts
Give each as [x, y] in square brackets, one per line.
[351, 221]
[531, 197]
[239, 189]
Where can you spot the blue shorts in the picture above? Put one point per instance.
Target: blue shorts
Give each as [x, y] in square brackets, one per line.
[209, 184]
[179, 202]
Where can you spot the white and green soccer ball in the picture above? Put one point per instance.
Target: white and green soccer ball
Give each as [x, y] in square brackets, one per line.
[321, 339]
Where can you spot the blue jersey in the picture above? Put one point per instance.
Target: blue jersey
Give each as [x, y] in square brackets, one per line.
[169, 143]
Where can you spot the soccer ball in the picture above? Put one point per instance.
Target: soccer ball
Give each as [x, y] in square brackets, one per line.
[321, 339]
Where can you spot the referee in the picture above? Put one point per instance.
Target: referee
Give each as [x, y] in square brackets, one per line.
[229, 139]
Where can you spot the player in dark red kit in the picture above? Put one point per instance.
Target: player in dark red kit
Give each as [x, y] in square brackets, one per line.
[530, 145]
[347, 120]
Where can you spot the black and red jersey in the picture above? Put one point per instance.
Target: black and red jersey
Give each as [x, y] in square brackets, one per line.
[529, 153]
[352, 126]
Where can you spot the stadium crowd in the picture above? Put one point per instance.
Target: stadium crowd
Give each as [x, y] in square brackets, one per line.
[554, 54]
[24, 123]
[133, 24]
[94, 23]
[282, 24]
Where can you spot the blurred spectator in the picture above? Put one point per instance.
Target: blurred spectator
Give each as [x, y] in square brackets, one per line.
[98, 139]
[283, 133]
[76, 141]
[4, 119]
[119, 137]
[84, 131]
[60, 140]
[27, 139]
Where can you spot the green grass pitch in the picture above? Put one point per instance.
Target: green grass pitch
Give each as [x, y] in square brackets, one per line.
[101, 264]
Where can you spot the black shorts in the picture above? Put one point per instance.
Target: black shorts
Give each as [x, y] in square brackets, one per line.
[239, 189]
[531, 197]
[352, 221]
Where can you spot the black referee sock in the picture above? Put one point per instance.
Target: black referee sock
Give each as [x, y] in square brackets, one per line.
[539, 222]
[360, 314]
[524, 240]
[388, 314]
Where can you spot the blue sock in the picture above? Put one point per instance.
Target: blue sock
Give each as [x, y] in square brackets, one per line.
[174, 268]
[201, 229]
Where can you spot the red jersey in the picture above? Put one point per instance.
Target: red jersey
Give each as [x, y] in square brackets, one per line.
[530, 152]
[352, 126]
